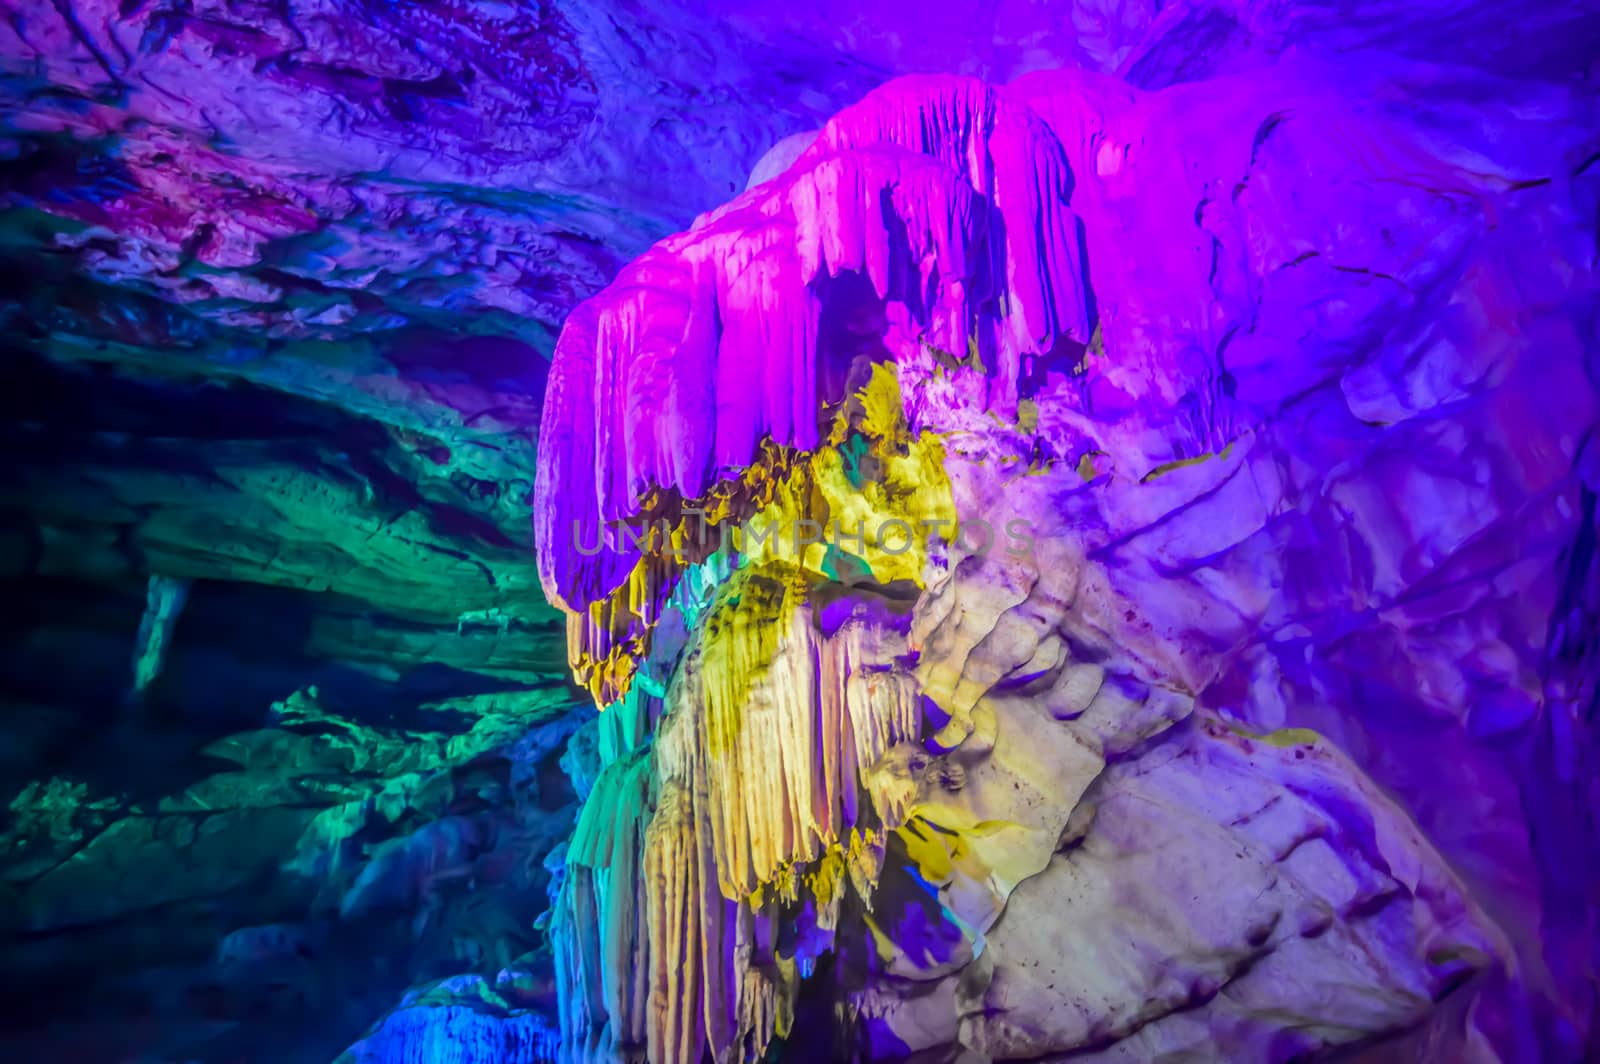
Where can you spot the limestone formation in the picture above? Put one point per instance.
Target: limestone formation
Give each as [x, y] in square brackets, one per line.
[950, 503]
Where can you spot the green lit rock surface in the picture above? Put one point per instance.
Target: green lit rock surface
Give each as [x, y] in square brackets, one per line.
[195, 869]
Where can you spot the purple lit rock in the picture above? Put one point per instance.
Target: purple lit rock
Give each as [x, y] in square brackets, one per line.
[873, 199]
[1279, 740]
[1273, 321]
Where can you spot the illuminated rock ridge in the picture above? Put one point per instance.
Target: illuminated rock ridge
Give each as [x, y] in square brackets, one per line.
[1250, 712]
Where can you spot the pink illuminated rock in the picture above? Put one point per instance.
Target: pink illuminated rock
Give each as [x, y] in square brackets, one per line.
[941, 195]
[1267, 327]
[1267, 744]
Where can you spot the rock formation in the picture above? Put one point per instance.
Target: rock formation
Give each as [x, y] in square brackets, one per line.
[1023, 553]
[1083, 544]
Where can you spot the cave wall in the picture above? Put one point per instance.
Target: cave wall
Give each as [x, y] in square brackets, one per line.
[283, 700]
[1271, 323]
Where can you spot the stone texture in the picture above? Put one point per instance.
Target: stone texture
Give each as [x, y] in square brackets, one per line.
[1252, 362]
[461, 1021]
[343, 844]
[1283, 334]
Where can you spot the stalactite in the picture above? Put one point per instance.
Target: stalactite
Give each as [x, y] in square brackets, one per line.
[845, 744]
[164, 601]
[783, 759]
[599, 925]
[948, 200]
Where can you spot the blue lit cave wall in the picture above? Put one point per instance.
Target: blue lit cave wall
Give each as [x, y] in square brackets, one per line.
[940, 532]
